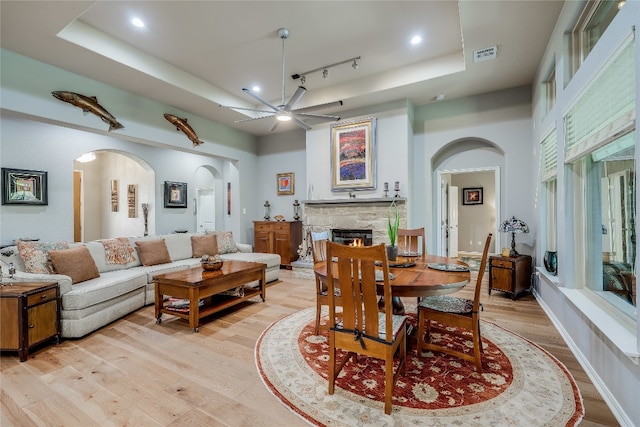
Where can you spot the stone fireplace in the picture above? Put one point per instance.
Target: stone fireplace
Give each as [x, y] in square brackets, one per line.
[350, 236]
[347, 214]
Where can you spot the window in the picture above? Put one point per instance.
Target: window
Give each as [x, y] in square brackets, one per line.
[595, 19]
[548, 172]
[600, 143]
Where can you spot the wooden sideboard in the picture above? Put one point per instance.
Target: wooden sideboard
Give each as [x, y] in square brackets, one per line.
[278, 237]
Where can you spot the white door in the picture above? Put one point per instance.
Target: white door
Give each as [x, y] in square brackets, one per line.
[205, 210]
[452, 241]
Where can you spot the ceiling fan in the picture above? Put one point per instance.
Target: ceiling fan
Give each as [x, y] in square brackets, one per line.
[285, 111]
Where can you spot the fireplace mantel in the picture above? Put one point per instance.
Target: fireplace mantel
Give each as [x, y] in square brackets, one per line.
[354, 202]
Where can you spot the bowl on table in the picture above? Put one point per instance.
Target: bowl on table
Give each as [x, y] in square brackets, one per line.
[211, 265]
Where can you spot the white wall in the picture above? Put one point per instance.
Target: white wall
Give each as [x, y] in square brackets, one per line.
[42, 133]
[501, 119]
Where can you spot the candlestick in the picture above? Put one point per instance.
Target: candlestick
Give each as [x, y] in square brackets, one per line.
[386, 186]
[397, 187]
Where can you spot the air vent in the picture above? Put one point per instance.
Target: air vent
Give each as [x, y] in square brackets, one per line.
[485, 54]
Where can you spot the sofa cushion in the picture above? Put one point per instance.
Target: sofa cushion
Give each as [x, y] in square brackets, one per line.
[76, 263]
[153, 252]
[35, 255]
[271, 260]
[226, 244]
[98, 252]
[204, 244]
[179, 245]
[118, 251]
[104, 288]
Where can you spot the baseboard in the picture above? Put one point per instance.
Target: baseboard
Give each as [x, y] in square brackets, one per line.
[602, 388]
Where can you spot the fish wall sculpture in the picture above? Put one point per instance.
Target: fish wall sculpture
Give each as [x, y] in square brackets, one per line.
[88, 104]
[181, 124]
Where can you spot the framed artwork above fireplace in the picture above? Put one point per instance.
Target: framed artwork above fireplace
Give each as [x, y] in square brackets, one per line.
[353, 155]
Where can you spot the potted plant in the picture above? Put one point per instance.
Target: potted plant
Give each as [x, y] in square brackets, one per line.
[393, 223]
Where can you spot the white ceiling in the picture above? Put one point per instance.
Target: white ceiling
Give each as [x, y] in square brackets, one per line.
[197, 55]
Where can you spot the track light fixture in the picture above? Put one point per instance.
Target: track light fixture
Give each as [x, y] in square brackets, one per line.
[325, 69]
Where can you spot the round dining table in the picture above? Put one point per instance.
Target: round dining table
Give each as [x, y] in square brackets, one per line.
[418, 276]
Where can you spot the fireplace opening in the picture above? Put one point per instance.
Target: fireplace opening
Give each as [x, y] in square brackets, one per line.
[352, 237]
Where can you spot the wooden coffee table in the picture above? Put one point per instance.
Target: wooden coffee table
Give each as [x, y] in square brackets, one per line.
[196, 284]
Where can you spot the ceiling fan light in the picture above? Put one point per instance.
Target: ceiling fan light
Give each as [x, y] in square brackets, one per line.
[283, 116]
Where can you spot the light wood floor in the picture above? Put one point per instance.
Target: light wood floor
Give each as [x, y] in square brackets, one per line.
[135, 372]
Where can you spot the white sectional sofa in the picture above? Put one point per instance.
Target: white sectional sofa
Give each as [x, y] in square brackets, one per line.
[122, 288]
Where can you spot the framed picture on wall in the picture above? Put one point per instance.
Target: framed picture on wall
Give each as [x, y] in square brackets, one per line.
[472, 196]
[24, 187]
[175, 194]
[353, 155]
[285, 183]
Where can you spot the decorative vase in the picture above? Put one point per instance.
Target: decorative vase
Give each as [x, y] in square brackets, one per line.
[551, 262]
[392, 253]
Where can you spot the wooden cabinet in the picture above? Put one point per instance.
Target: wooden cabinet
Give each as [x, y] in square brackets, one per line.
[511, 275]
[278, 237]
[29, 315]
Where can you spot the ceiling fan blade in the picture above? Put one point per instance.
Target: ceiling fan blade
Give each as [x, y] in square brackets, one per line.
[253, 95]
[252, 119]
[318, 107]
[302, 124]
[295, 98]
[246, 109]
[319, 116]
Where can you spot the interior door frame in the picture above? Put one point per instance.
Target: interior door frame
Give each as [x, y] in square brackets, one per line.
[441, 182]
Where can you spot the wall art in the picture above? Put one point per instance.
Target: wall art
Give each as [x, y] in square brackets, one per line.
[353, 155]
[472, 196]
[285, 183]
[175, 194]
[131, 200]
[24, 187]
[114, 195]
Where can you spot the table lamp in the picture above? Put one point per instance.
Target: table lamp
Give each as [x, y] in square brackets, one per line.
[513, 226]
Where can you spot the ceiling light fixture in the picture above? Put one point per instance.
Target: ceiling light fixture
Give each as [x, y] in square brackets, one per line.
[283, 116]
[256, 88]
[137, 22]
[416, 40]
[87, 157]
[325, 69]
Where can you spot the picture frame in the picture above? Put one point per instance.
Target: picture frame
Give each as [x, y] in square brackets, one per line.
[285, 183]
[24, 187]
[114, 195]
[175, 194]
[472, 196]
[353, 155]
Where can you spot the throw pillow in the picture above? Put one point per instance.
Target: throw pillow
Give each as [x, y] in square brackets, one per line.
[204, 244]
[153, 252]
[226, 244]
[35, 255]
[76, 263]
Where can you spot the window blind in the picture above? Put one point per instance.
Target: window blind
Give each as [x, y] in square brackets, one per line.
[606, 109]
[549, 156]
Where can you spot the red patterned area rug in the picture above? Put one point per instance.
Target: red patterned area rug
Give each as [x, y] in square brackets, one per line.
[521, 383]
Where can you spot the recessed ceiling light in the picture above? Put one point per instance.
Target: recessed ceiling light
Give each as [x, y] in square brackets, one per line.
[137, 22]
[416, 40]
[256, 88]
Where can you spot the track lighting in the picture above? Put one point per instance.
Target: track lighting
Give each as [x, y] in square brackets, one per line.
[325, 69]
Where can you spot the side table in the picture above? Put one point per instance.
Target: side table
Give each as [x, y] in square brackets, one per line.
[511, 275]
[29, 315]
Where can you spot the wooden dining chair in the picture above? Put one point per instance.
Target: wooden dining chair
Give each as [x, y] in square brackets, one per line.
[454, 311]
[363, 329]
[318, 243]
[411, 241]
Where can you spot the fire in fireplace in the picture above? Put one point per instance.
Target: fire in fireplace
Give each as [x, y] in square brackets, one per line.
[352, 237]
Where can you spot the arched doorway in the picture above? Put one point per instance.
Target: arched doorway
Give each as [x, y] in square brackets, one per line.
[110, 188]
[467, 164]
